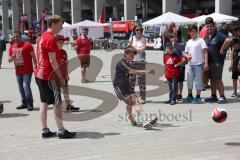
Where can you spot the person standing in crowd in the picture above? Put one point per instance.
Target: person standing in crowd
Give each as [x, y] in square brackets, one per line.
[10, 38]
[63, 64]
[83, 48]
[224, 28]
[233, 66]
[25, 36]
[124, 92]
[2, 48]
[178, 49]
[22, 54]
[139, 63]
[202, 34]
[197, 48]
[217, 44]
[172, 61]
[171, 28]
[49, 78]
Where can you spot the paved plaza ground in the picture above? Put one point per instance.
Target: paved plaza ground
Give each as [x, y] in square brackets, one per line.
[184, 132]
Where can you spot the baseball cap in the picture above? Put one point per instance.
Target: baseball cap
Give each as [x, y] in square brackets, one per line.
[169, 45]
[60, 38]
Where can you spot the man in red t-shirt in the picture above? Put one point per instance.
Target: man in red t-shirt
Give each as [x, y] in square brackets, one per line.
[22, 54]
[48, 77]
[83, 47]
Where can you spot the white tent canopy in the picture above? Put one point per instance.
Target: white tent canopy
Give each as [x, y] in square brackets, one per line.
[65, 24]
[200, 19]
[86, 23]
[167, 18]
[217, 17]
[65, 31]
[95, 29]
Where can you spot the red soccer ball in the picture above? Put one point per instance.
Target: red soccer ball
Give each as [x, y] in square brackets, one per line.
[219, 115]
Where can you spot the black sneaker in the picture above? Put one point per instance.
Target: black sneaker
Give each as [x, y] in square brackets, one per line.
[66, 134]
[29, 107]
[71, 108]
[167, 102]
[179, 97]
[205, 87]
[85, 81]
[49, 134]
[22, 106]
[172, 102]
[211, 99]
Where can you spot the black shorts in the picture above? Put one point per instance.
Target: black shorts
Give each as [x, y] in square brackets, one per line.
[85, 62]
[124, 94]
[235, 72]
[49, 91]
[215, 71]
[181, 77]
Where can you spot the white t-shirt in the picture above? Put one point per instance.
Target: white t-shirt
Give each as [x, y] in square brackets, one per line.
[195, 49]
[138, 44]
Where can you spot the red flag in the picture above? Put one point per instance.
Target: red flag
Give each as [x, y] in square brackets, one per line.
[101, 18]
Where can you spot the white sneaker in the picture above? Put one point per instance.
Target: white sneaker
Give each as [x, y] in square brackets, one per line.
[147, 124]
[234, 94]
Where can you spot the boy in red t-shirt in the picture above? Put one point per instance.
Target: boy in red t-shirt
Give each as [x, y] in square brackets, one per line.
[83, 48]
[172, 62]
[63, 66]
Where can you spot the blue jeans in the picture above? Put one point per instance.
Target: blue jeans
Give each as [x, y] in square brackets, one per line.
[24, 81]
[172, 84]
[195, 73]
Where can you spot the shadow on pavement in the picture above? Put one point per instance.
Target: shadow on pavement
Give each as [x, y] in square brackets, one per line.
[166, 125]
[155, 102]
[7, 68]
[13, 115]
[95, 135]
[233, 144]
[101, 82]
[233, 100]
[6, 101]
[156, 127]
[37, 109]
[83, 110]
[228, 88]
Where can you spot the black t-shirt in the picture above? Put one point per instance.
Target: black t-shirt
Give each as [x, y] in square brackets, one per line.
[121, 78]
[214, 44]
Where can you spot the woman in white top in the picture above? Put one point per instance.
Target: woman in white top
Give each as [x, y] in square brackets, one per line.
[139, 43]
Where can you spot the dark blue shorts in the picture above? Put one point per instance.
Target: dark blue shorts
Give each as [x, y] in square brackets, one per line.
[181, 77]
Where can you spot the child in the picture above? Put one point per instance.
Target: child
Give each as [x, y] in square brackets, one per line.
[234, 57]
[172, 62]
[83, 48]
[62, 62]
[179, 50]
[123, 90]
